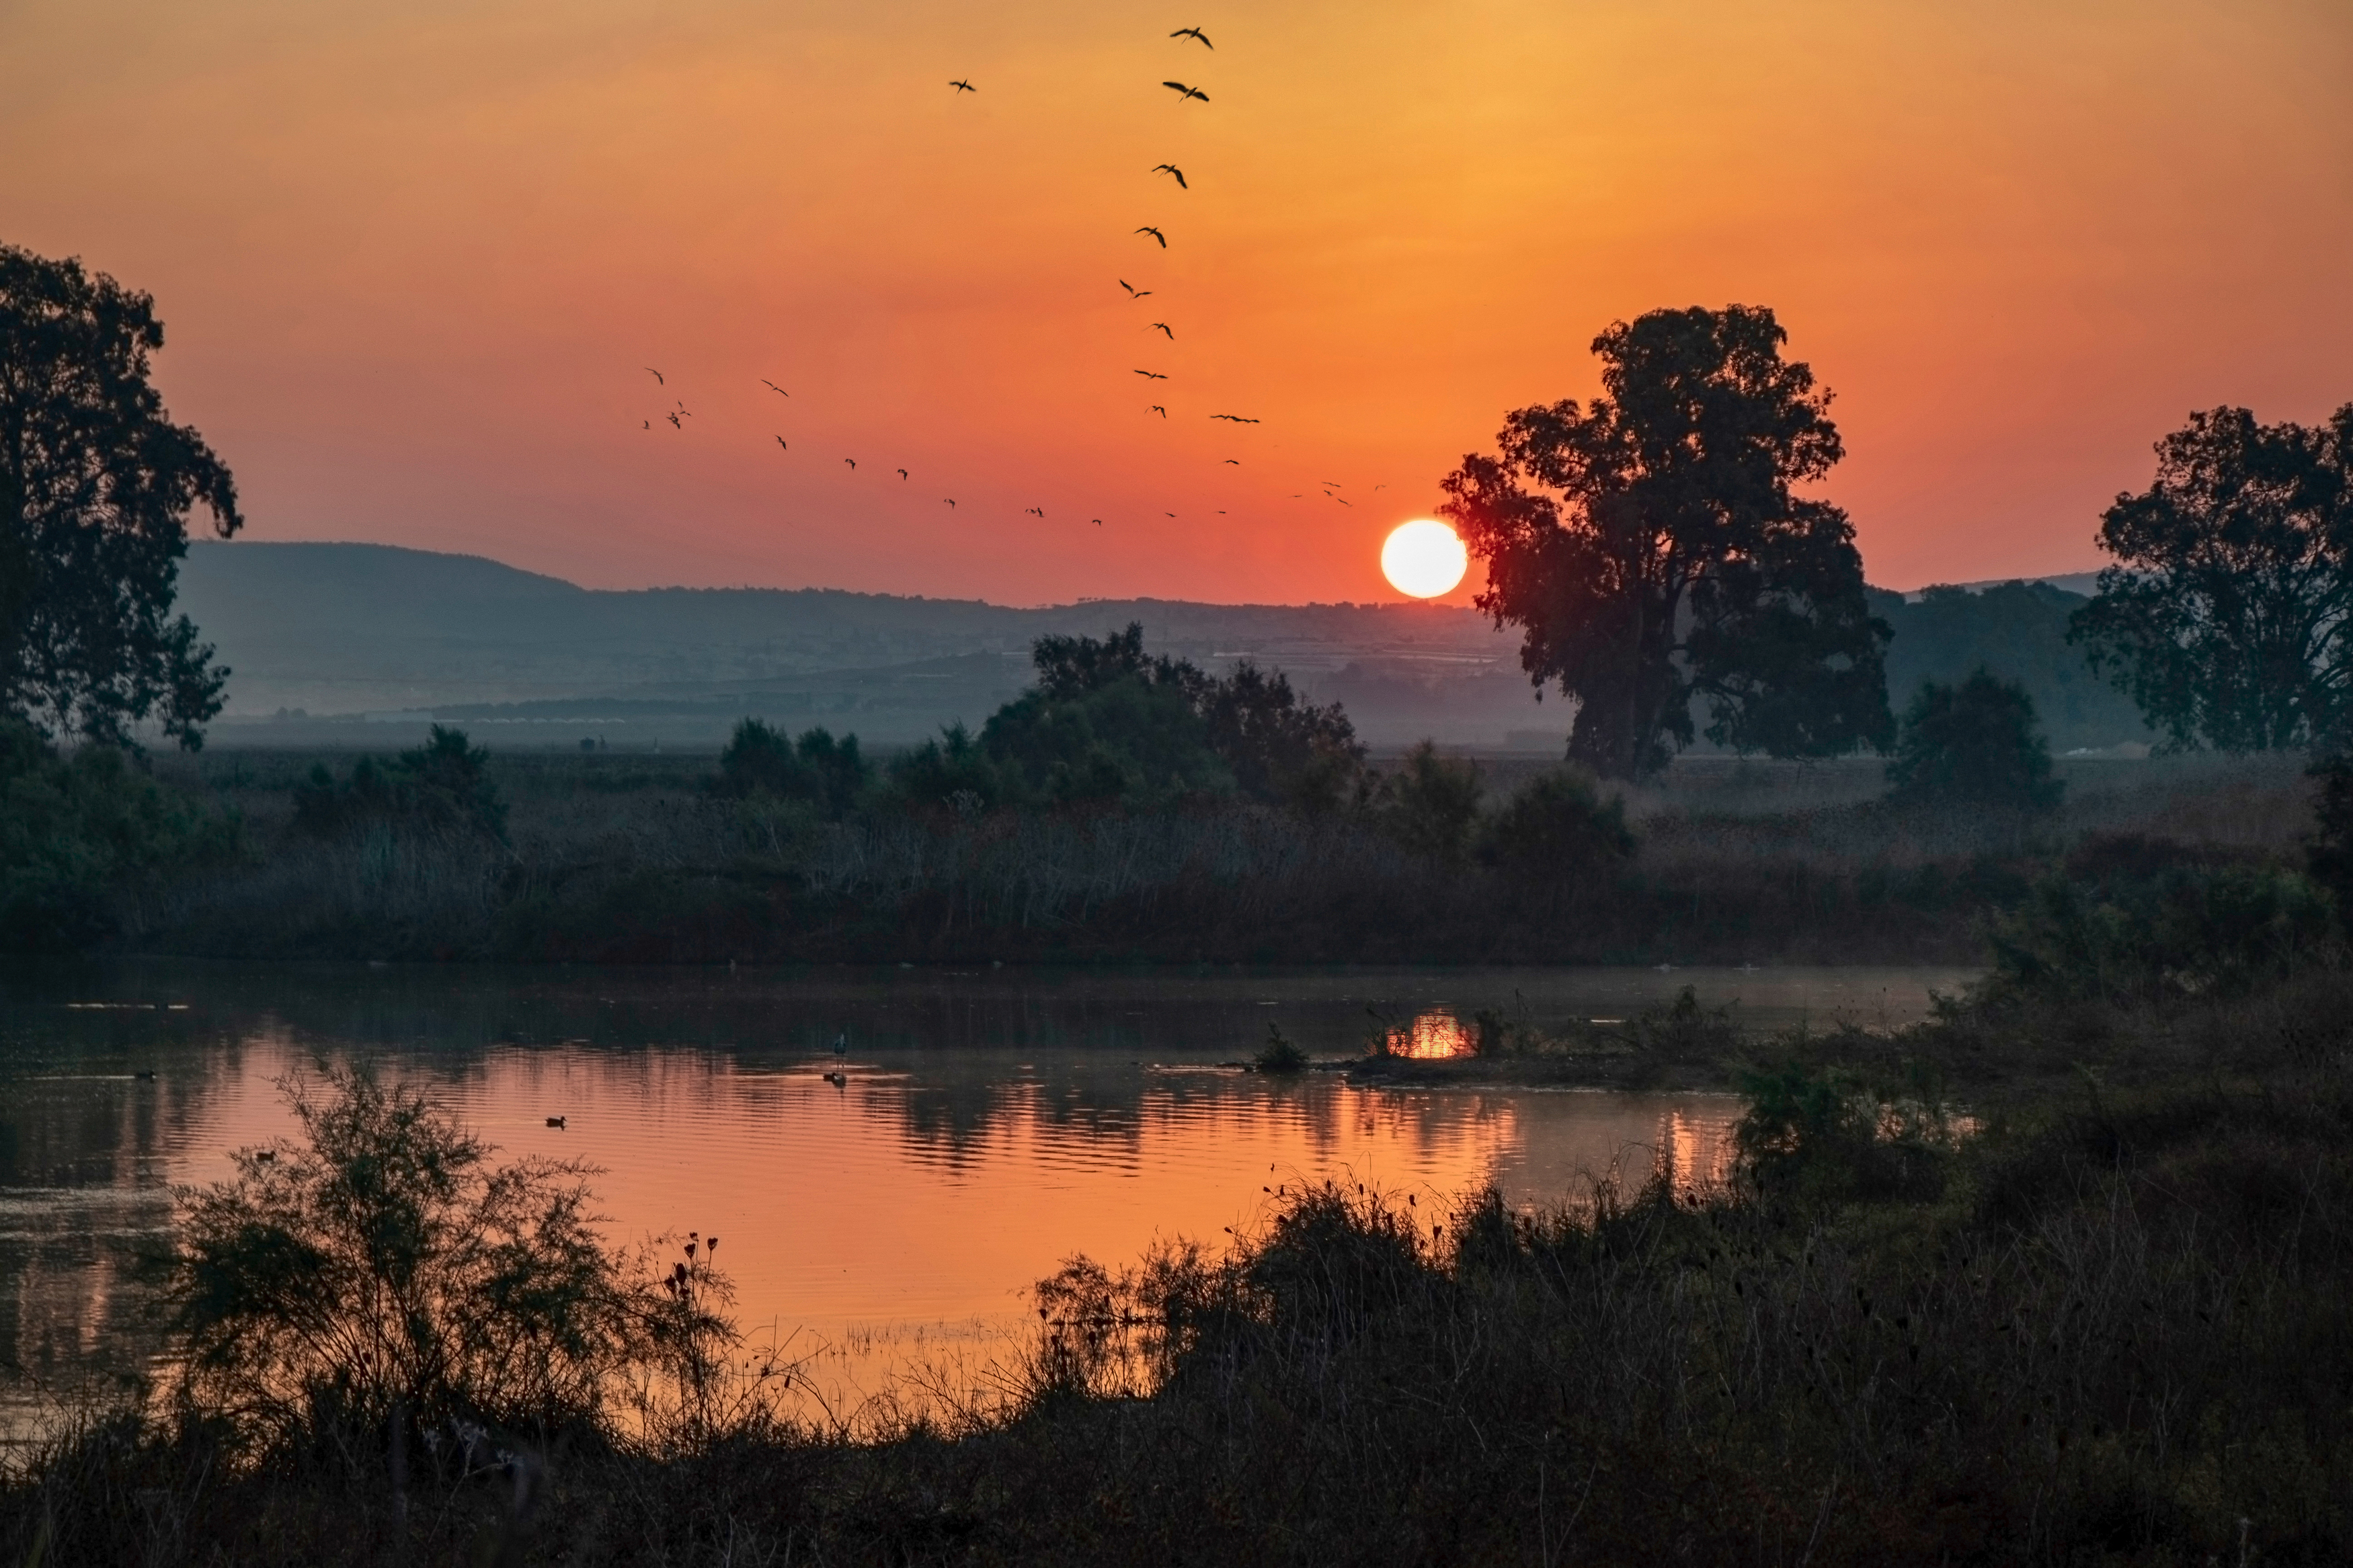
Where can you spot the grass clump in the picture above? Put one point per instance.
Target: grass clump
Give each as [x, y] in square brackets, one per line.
[1280, 1054]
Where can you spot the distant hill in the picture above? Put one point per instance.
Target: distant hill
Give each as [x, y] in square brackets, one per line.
[360, 644]
[343, 631]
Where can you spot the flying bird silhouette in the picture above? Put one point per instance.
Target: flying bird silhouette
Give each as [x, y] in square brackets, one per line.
[1098, 523]
[650, 424]
[852, 462]
[1169, 514]
[1152, 374]
[1380, 486]
[1235, 418]
[772, 386]
[1157, 409]
[949, 499]
[1163, 327]
[1237, 462]
[1155, 234]
[1172, 169]
[903, 473]
[1035, 510]
[656, 375]
[781, 442]
[963, 86]
[1194, 33]
[674, 420]
[1186, 92]
[1133, 291]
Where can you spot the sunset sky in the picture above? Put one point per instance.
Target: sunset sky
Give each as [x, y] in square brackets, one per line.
[414, 258]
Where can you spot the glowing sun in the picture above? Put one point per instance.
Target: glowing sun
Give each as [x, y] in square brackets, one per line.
[1424, 558]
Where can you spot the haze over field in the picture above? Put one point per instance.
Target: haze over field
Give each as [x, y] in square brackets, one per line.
[416, 261]
[365, 641]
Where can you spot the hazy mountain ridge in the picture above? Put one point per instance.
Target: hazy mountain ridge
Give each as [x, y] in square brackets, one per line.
[334, 633]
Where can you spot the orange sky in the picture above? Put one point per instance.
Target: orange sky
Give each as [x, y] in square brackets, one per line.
[413, 259]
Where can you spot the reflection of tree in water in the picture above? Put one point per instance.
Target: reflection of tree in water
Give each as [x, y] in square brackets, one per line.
[84, 1145]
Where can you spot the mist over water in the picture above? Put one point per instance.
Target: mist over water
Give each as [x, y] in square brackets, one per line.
[985, 1125]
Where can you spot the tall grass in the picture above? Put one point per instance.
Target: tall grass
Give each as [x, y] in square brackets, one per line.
[1737, 862]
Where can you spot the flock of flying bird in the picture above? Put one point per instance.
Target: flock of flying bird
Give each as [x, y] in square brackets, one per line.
[678, 413]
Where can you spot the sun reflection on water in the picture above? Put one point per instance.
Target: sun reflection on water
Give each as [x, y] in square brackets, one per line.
[1432, 1037]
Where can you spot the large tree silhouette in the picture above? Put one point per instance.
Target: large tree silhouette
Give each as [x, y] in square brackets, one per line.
[1649, 548]
[2229, 615]
[96, 485]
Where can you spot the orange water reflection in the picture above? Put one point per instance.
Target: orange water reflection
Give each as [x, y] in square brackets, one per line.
[985, 1129]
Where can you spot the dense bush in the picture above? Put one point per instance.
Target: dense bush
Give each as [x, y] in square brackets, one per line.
[1816, 1134]
[1430, 804]
[77, 832]
[1557, 832]
[381, 1268]
[1973, 745]
[2180, 931]
[2329, 856]
[443, 785]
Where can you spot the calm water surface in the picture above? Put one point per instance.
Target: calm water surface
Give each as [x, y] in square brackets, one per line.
[989, 1123]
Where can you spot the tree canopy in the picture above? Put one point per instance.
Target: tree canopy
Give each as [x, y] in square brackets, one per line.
[1651, 549]
[96, 486]
[2227, 616]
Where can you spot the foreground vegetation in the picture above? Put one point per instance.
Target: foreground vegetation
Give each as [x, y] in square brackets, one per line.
[2104, 1325]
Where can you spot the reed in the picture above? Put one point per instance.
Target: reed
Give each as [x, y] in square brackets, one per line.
[628, 859]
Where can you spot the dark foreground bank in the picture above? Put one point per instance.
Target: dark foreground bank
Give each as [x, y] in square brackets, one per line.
[2059, 1277]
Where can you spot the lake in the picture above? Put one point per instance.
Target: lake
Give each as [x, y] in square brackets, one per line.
[979, 1127]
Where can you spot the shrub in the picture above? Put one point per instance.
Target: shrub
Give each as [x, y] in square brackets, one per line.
[2330, 856]
[1555, 832]
[1976, 744]
[1430, 804]
[1279, 1054]
[382, 1264]
[444, 784]
[1817, 1134]
[2183, 930]
[76, 833]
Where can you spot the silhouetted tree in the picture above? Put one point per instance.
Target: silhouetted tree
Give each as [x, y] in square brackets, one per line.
[443, 785]
[1128, 739]
[1975, 744]
[1651, 549]
[829, 774]
[96, 485]
[2229, 615]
